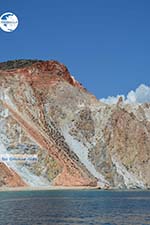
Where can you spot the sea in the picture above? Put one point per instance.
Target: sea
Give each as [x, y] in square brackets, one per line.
[66, 207]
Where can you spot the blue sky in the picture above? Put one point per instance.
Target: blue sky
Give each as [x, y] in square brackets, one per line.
[104, 43]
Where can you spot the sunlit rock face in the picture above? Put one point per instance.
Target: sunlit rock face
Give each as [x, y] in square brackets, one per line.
[9, 178]
[78, 140]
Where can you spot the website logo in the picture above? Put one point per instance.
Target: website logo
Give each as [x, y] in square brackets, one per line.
[21, 158]
[8, 22]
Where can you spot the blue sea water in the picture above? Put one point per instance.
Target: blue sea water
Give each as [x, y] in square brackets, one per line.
[65, 207]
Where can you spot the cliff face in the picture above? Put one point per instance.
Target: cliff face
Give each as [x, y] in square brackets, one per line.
[78, 140]
[8, 177]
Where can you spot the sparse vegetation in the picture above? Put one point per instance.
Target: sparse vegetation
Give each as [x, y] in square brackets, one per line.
[15, 64]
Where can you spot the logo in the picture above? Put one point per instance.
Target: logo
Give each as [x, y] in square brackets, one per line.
[21, 158]
[8, 22]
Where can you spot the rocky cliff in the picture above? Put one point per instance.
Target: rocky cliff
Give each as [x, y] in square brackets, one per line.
[78, 140]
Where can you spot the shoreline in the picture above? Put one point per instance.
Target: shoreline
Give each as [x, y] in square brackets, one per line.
[47, 188]
[59, 188]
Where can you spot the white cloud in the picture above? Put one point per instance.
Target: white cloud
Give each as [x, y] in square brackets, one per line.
[140, 95]
[111, 99]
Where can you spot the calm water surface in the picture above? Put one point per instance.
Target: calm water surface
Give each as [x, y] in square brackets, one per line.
[75, 207]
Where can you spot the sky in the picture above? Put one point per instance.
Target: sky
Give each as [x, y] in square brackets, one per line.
[104, 43]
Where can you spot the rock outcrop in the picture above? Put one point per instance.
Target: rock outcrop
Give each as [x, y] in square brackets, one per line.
[78, 140]
[8, 177]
